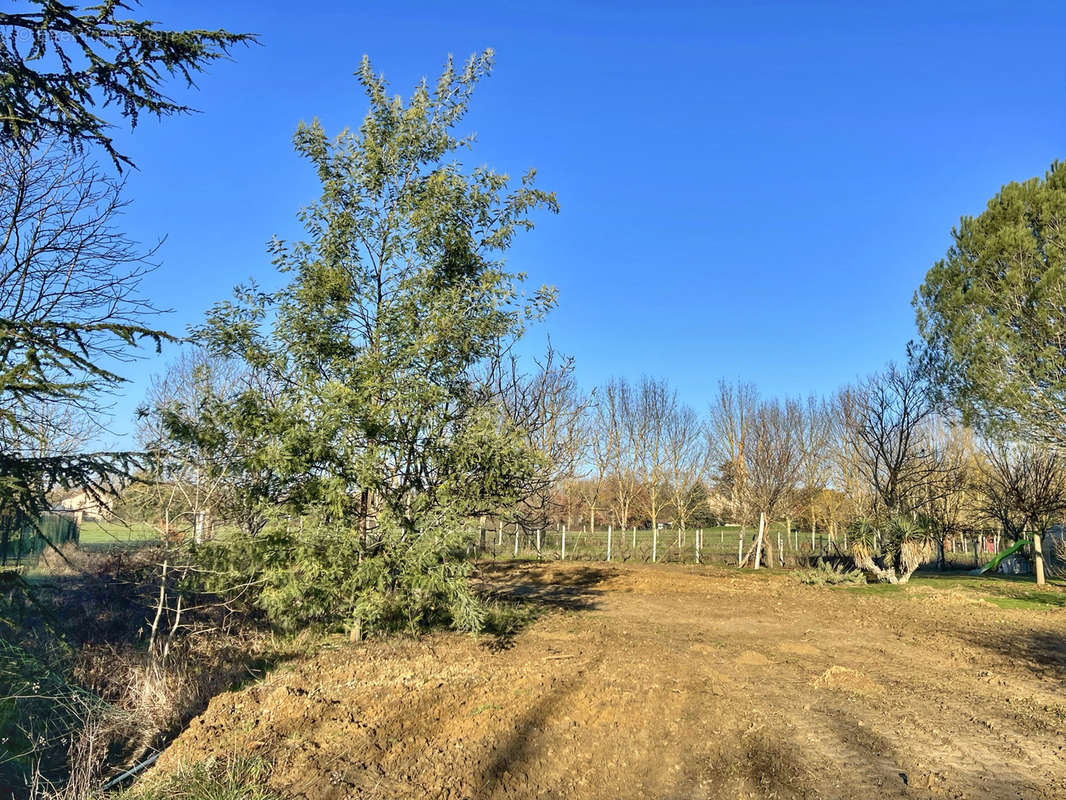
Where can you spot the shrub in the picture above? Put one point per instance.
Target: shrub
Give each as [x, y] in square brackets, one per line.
[322, 576]
[826, 574]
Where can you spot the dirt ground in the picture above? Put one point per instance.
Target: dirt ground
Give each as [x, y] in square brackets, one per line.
[673, 682]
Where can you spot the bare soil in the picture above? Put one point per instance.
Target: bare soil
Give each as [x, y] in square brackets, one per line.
[672, 682]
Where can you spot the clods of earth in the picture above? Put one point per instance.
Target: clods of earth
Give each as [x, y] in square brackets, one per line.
[671, 682]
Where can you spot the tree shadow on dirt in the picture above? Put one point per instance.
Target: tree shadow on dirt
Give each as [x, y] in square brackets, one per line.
[524, 743]
[522, 593]
[1039, 652]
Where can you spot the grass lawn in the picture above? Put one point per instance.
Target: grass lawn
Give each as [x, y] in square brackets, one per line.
[1004, 591]
[100, 535]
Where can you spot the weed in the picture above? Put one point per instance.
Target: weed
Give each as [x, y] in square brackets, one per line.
[236, 778]
[826, 574]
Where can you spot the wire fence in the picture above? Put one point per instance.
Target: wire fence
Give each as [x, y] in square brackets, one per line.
[723, 546]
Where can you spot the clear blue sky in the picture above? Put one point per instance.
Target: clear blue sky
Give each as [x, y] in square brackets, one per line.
[748, 190]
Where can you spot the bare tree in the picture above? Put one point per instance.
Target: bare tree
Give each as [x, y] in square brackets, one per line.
[192, 477]
[815, 437]
[728, 427]
[549, 409]
[686, 459]
[655, 404]
[70, 314]
[883, 424]
[619, 425]
[773, 458]
[947, 507]
[600, 444]
[1023, 487]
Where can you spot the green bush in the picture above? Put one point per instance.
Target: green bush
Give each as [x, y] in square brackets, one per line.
[319, 575]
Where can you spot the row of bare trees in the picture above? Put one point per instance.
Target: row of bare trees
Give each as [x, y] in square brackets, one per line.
[632, 453]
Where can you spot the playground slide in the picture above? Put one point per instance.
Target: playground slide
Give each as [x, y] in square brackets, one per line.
[991, 565]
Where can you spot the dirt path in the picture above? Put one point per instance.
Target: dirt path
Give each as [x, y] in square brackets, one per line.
[674, 683]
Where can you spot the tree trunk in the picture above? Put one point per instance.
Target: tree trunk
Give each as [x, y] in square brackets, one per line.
[1038, 559]
[364, 517]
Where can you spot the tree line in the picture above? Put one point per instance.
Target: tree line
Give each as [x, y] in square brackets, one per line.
[876, 456]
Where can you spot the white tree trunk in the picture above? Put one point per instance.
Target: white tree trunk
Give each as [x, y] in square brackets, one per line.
[758, 542]
[1038, 559]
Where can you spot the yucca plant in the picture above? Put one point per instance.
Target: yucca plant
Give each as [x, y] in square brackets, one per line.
[892, 552]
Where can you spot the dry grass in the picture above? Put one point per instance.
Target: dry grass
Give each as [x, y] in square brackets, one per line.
[132, 698]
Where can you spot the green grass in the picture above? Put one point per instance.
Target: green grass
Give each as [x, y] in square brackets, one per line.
[1004, 591]
[1038, 601]
[100, 535]
[237, 778]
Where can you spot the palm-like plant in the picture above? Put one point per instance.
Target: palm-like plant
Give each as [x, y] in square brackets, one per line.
[892, 551]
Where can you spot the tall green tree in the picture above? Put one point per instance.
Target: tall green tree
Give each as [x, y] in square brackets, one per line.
[397, 313]
[993, 312]
[61, 66]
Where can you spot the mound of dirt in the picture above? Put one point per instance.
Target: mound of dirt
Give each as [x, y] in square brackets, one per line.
[847, 680]
[750, 658]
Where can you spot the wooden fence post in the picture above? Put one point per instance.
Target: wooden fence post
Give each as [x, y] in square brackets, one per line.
[740, 547]
[608, 542]
[538, 543]
[563, 556]
[516, 540]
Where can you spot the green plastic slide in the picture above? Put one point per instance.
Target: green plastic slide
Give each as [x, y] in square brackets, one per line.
[991, 565]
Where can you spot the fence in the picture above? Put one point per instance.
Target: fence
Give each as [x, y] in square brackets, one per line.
[22, 540]
[706, 546]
